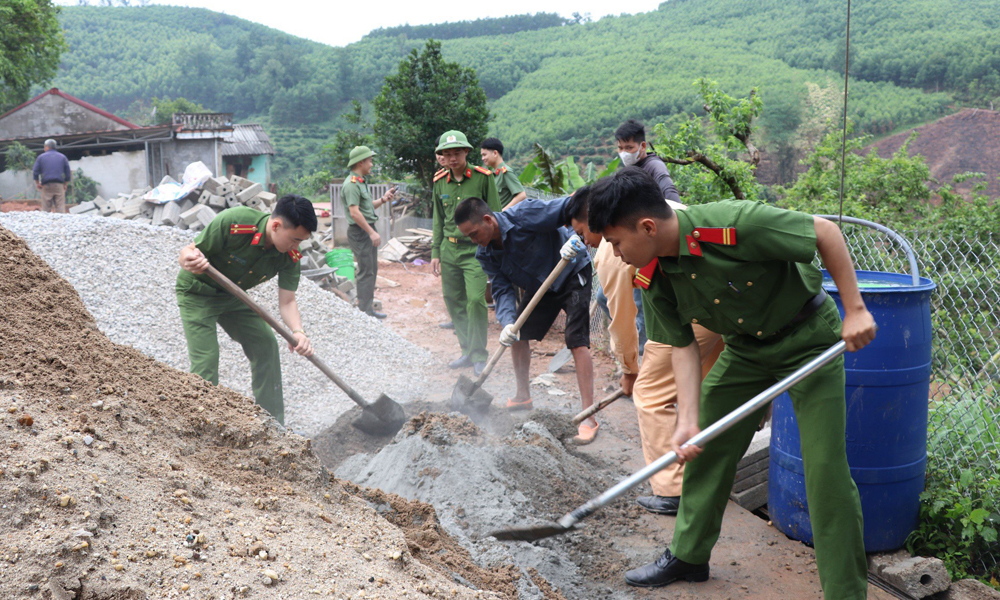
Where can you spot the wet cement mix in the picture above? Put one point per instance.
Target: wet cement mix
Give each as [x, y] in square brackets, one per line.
[121, 477]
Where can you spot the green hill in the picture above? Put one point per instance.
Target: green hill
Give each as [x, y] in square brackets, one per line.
[566, 86]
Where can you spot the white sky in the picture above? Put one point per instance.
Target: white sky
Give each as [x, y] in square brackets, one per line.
[341, 22]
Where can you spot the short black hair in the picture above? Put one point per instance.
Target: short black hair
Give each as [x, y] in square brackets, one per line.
[492, 144]
[471, 209]
[576, 208]
[295, 211]
[631, 130]
[625, 197]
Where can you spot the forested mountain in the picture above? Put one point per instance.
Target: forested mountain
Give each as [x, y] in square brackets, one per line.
[475, 28]
[565, 85]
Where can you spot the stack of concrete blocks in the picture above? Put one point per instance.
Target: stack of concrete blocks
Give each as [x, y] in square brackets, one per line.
[750, 486]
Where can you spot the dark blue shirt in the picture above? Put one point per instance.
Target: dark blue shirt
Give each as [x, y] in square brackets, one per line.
[532, 233]
[51, 166]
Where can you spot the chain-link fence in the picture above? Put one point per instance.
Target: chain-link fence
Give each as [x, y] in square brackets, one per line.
[963, 438]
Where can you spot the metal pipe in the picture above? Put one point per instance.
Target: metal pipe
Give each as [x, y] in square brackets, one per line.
[914, 269]
[710, 433]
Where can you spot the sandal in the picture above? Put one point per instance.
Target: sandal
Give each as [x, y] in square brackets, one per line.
[518, 404]
[585, 434]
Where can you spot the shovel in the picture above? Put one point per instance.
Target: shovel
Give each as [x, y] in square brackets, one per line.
[383, 417]
[593, 408]
[568, 521]
[468, 395]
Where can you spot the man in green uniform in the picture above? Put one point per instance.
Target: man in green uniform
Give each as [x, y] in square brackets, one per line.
[249, 247]
[744, 270]
[508, 185]
[453, 256]
[361, 234]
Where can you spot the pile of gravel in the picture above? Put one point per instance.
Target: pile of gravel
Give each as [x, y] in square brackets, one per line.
[125, 272]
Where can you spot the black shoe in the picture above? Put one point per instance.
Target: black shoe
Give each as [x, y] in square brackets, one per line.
[478, 367]
[460, 363]
[661, 505]
[448, 325]
[666, 570]
[377, 315]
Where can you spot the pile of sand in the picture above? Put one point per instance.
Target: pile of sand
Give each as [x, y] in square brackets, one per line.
[121, 477]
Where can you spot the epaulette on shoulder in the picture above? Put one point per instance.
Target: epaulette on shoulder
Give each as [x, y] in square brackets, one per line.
[483, 171]
[295, 254]
[503, 169]
[440, 174]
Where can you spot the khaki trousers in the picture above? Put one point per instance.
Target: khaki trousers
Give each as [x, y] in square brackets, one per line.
[655, 398]
[54, 197]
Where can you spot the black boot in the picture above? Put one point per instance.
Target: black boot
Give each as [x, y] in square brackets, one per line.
[460, 363]
[661, 505]
[666, 570]
[377, 315]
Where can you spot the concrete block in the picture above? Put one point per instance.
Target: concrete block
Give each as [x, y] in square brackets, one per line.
[267, 198]
[347, 286]
[83, 207]
[240, 183]
[190, 215]
[204, 197]
[117, 215]
[143, 220]
[167, 179]
[196, 226]
[187, 204]
[249, 192]
[157, 218]
[217, 185]
[970, 589]
[758, 449]
[752, 469]
[254, 203]
[182, 225]
[147, 209]
[119, 203]
[751, 499]
[917, 576]
[745, 483]
[216, 201]
[205, 216]
[132, 207]
[231, 201]
[103, 206]
[171, 214]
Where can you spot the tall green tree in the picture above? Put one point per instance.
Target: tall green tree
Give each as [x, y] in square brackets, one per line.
[31, 42]
[424, 98]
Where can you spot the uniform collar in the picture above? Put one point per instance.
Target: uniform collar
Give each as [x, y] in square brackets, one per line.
[670, 264]
[259, 239]
[468, 173]
[499, 168]
[355, 178]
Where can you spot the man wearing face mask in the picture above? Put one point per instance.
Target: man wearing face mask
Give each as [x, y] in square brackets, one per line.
[634, 151]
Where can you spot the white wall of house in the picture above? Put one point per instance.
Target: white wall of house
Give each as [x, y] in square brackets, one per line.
[116, 173]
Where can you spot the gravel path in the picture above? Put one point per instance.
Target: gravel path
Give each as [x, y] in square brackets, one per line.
[125, 274]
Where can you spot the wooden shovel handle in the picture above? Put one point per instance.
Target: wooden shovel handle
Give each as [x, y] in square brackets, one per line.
[237, 291]
[593, 408]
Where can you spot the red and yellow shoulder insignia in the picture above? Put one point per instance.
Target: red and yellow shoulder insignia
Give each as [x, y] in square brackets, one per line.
[295, 254]
[256, 238]
[645, 275]
[503, 169]
[482, 170]
[356, 179]
[725, 236]
[237, 229]
[440, 174]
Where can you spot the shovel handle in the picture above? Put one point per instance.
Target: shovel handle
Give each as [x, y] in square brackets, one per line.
[521, 320]
[237, 291]
[593, 408]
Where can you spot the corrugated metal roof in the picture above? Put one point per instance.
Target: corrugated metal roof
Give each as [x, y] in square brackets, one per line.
[248, 139]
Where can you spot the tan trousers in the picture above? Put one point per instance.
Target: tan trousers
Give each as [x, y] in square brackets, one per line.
[655, 398]
[54, 197]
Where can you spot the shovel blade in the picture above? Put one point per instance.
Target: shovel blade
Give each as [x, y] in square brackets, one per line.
[383, 417]
[465, 397]
[531, 534]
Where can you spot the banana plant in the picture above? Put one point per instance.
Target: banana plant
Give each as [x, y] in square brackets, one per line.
[546, 173]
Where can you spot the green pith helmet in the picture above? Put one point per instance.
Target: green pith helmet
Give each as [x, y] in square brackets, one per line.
[453, 139]
[359, 154]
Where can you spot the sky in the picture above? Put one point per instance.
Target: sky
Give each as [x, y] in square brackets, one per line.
[341, 22]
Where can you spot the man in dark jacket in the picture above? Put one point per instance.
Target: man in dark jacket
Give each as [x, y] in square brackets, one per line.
[634, 151]
[52, 176]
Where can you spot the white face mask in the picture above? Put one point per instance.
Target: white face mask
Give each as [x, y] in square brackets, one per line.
[631, 158]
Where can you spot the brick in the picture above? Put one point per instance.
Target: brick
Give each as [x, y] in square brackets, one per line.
[190, 215]
[83, 207]
[250, 192]
[217, 185]
[205, 216]
[749, 481]
[171, 213]
[117, 215]
[216, 201]
[254, 203]
[751, 499]
[753, 468]
[157, 218]
[758, 450]
[119, 203]
[103, 206]
[917, 576]
[204, 197]
[186, 204]
[240, 183]
[267, 198]
[231, 201]
[196, 226]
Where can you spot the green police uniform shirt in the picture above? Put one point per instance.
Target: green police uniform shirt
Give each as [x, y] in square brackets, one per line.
[744, 269]
[477, 183]
[234, 244]
[354, 192]
[508, 185]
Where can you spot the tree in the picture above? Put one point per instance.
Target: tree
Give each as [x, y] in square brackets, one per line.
[31, 42]
[424, 98]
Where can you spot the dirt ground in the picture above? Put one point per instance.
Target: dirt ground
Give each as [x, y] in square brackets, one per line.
[751, 560]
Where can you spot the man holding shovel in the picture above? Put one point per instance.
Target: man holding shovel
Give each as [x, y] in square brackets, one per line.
[744, 270]
[248, 247]
[520, 247]
[653, 387]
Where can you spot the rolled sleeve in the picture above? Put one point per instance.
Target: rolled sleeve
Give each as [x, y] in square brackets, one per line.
[765, 233]
[616, 280]
[663, 321]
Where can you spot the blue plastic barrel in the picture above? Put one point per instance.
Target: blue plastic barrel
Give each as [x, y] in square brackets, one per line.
[888, 385]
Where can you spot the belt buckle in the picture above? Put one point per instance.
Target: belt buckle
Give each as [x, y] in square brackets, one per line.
[453, 240]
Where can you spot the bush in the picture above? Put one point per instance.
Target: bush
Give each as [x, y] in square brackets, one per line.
[83, 188]
[19, 158]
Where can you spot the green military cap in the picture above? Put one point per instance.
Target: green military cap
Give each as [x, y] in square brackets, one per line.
[359, 154]
[453, 139]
